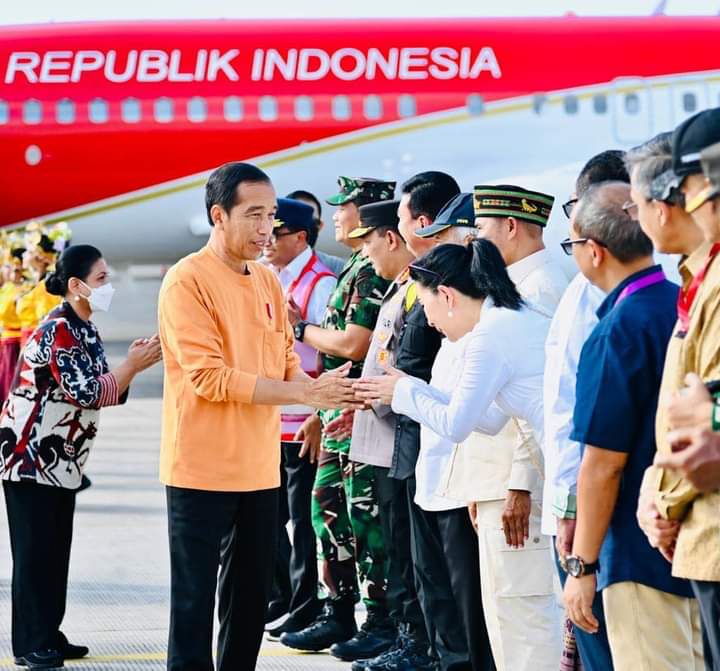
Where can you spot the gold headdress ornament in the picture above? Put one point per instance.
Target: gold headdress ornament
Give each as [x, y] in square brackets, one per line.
[13, 248]
[47, 241]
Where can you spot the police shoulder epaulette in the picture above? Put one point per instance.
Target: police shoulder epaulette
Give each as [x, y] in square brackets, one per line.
[410, 297]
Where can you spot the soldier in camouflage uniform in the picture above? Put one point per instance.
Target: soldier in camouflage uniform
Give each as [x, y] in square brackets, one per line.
[344, 508]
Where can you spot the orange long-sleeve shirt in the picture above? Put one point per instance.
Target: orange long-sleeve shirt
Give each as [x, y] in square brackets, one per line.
[220, 331]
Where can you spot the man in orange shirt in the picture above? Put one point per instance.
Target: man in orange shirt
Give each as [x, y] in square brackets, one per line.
[229, 363]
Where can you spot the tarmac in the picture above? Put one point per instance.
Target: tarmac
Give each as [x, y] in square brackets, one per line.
[118, 598]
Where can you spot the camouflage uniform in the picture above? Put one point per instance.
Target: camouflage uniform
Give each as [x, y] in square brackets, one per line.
[344, 507]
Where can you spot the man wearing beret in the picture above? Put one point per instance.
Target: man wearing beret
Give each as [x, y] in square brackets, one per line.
[308, 283]
[344, 508]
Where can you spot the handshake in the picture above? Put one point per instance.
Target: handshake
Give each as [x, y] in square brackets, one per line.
[335, 389]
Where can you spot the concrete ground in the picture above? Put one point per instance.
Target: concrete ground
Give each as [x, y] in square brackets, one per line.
[119, 573]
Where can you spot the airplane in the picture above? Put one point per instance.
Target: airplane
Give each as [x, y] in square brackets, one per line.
[114, 127]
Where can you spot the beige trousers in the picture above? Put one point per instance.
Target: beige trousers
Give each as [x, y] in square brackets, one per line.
[650, 630]
[522, 612]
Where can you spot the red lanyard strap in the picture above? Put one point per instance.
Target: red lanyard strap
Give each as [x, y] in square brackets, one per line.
[686, 298]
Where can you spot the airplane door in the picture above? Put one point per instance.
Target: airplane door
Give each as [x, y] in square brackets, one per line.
[632, 113]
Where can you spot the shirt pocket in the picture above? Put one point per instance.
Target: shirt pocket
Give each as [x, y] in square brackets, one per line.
[521, 572]
[273, 354]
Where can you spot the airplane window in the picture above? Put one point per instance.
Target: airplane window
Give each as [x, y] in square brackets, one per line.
[233, 109]
[341, 108]
[571, 104]
[268, 108]
[4, 112]
[65, 111]
[32, 111]
[689, 102]
[632, 103]
[406, 106]
[163, 110]
[373, 107]
[304, 108]
[197, 110]
[539, 101]
[475, 104]
[600, 104]
[130, 111]
[98, 111]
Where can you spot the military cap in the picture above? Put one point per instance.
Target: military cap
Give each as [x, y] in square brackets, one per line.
[377, 215]
[294, 215]
[507, 200]
[363, 190]
[458, 212]
[710, 162]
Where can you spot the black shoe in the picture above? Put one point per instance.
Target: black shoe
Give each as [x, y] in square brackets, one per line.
[336, 623]
[41, 659]
[275, 611]
[289, 626]
[70, 651]
[377, 634]
[408, 654]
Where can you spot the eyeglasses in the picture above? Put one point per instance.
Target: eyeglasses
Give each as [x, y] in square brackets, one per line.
[275, 236]
[568, 207]
[628, 206]
[426, 271]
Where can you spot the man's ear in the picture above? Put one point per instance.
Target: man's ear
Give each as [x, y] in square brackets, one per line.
[597, 253]
[662, 211]
[217, 215]
[394, 239]
[424, 221]
[512, 227]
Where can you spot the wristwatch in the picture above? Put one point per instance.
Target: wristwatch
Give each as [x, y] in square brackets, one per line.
[577, 567]
[299, 331]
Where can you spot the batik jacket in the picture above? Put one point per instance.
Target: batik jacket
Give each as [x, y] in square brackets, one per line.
[50, 420]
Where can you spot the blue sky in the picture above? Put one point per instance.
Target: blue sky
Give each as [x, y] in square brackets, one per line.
[74, 10]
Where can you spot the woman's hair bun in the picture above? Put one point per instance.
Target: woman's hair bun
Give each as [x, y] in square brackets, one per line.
[55, 284]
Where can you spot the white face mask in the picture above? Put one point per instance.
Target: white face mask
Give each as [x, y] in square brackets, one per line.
[100, 297]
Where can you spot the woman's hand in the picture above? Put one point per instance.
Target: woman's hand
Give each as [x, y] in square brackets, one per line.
[144, 352]
[378, 389]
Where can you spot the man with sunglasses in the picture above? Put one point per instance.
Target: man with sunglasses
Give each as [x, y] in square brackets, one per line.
[573, 322]
[691, 513]
[308, 283]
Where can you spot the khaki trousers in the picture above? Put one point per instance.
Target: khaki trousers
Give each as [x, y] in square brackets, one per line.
[521, 608]
[650, 630]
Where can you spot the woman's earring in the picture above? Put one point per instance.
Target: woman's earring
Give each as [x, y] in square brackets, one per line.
[450, 313]
[77, 298]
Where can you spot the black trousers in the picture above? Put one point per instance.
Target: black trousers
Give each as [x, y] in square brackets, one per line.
[40, 519]
[296, 569]
[403, 602]
[199, 522]
[447, 568]
[708, 596]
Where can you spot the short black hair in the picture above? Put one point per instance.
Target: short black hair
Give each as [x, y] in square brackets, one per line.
[76, 261]
[221, 187]
[429, 192]
[476, 270]
[607, 166]
[301, 194]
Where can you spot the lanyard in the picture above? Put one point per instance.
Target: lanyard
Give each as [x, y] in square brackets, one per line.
[640, 283]
[687, 298]
[306, 269]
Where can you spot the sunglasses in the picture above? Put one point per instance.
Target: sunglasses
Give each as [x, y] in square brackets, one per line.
[275, 236]
[567, 244]
[568, 207]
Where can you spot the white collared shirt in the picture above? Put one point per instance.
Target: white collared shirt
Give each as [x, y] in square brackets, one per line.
[492, 373]
[540, 280]
[574, 320]
[320, 294]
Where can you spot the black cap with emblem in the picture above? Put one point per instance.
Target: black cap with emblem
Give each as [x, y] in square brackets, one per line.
[377, 215]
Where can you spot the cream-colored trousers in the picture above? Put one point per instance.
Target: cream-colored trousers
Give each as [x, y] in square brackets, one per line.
[522, 613]
[650, 630]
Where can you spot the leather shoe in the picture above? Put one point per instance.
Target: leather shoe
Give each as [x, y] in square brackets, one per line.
[70, 651]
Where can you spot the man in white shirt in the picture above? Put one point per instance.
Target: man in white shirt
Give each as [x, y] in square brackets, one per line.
[573, 322]
[308, 283]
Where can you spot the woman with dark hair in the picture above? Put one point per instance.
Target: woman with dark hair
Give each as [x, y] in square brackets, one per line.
[47, 428]
[488, 371]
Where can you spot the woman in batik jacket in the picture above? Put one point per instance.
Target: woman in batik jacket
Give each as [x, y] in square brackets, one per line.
[47, 428]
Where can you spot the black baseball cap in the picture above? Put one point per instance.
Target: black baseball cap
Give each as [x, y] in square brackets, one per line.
[689, 139]
[458, 212]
